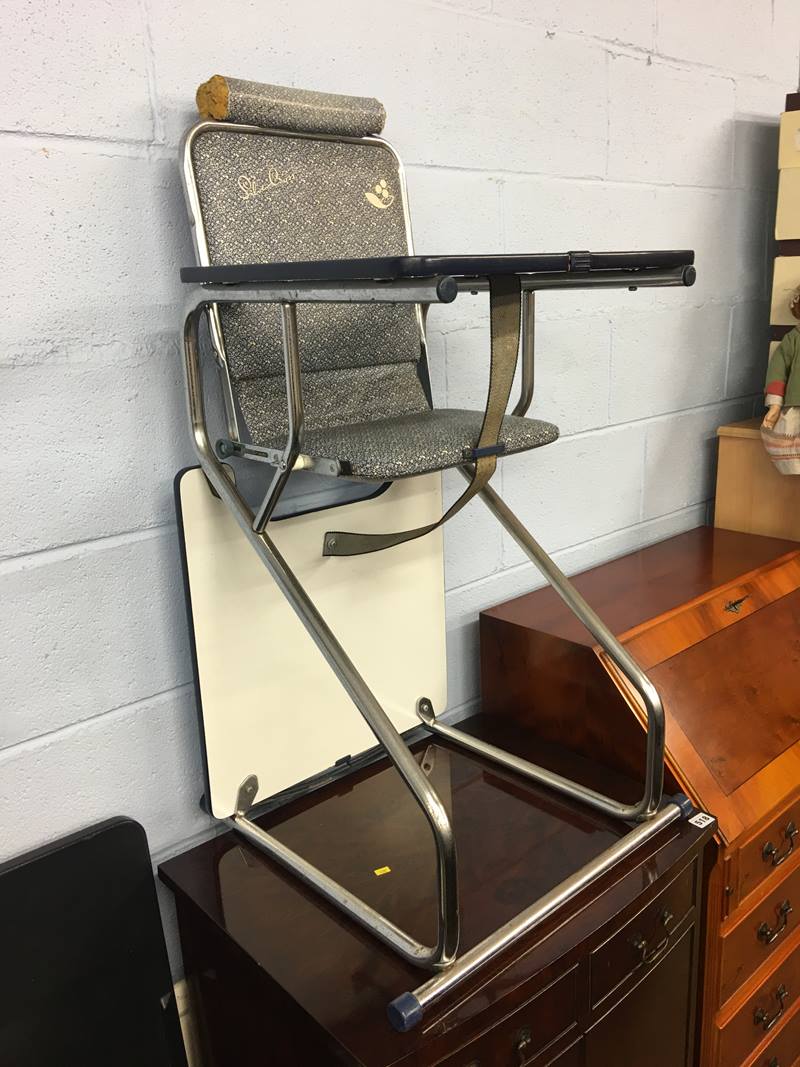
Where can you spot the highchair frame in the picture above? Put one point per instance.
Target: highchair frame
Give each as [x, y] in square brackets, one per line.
[648, 814]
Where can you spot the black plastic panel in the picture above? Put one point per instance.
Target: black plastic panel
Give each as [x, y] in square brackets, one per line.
[85, 980]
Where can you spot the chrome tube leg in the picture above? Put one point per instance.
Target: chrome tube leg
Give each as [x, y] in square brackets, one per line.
[378, 925]
[533, 771]
[215, 333]
[625, 663]
[528, 351]
[294, 403]
[407, 1010]
[654, 769]
[338, 660]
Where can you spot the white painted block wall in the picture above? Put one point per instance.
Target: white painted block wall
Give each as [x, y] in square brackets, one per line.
[526, 125]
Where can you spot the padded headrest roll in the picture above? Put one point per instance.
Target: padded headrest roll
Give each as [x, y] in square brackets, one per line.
[282, 108]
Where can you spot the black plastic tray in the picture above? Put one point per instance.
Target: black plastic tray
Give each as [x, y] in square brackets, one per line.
[393, 268]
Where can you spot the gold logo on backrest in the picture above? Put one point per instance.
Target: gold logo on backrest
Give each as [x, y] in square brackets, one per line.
[379, 195]
[251, 186]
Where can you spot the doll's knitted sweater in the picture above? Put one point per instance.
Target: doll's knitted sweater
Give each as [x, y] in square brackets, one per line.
[783, 372]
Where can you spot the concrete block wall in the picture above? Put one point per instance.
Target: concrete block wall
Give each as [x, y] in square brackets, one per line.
[525, 125]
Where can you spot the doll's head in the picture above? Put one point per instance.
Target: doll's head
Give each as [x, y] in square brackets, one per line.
[794, 303]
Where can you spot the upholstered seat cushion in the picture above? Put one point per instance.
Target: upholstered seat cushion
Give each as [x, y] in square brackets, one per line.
[417, 443]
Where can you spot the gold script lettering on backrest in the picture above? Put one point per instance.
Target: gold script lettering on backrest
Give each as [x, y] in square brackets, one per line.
[251, 186]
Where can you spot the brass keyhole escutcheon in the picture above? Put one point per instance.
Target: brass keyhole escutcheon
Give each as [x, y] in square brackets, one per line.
[734, 605]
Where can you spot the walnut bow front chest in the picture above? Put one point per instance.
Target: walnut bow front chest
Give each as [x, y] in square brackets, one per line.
[281, 978]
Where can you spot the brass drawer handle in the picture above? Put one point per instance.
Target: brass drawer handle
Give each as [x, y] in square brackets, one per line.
[650, 955]
[523, 1046]
[766, 1022]
[770, 854]
[767, 933]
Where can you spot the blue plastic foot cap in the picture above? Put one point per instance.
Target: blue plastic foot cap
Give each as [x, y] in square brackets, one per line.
[686, 806]
[404, 1012]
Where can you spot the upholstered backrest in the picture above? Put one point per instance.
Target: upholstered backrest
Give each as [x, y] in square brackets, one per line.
[280, 195]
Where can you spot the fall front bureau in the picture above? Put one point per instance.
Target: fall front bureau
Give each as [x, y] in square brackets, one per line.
[714, 617]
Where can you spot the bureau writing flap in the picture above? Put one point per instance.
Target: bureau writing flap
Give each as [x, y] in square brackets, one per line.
[727, 667]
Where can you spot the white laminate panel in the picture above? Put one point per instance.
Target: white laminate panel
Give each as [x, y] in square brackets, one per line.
[271, 705]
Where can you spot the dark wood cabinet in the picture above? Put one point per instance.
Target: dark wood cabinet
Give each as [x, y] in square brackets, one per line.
[610, 980]
[571, 1057]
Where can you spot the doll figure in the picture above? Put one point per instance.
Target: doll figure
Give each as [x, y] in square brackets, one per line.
[780, 430]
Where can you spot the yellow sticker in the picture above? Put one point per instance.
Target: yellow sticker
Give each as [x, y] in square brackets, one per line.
[382, 870]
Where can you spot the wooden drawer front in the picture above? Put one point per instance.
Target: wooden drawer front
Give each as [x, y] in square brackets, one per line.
[572, 1057]
[763, 1011]
[768, 850]
[644, 939]
[762, 930]
[782, 1049]
[520, 1037]
[651, 1026]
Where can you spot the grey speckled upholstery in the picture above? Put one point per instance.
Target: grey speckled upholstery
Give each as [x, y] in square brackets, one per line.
[380, 392]
[269, 197]
[418, 443]
[303, 110]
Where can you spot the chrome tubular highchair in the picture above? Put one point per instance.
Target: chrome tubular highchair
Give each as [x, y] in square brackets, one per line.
[315, 307]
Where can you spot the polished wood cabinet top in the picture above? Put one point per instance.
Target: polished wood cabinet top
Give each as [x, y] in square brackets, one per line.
[644, 584]
[515, 841]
